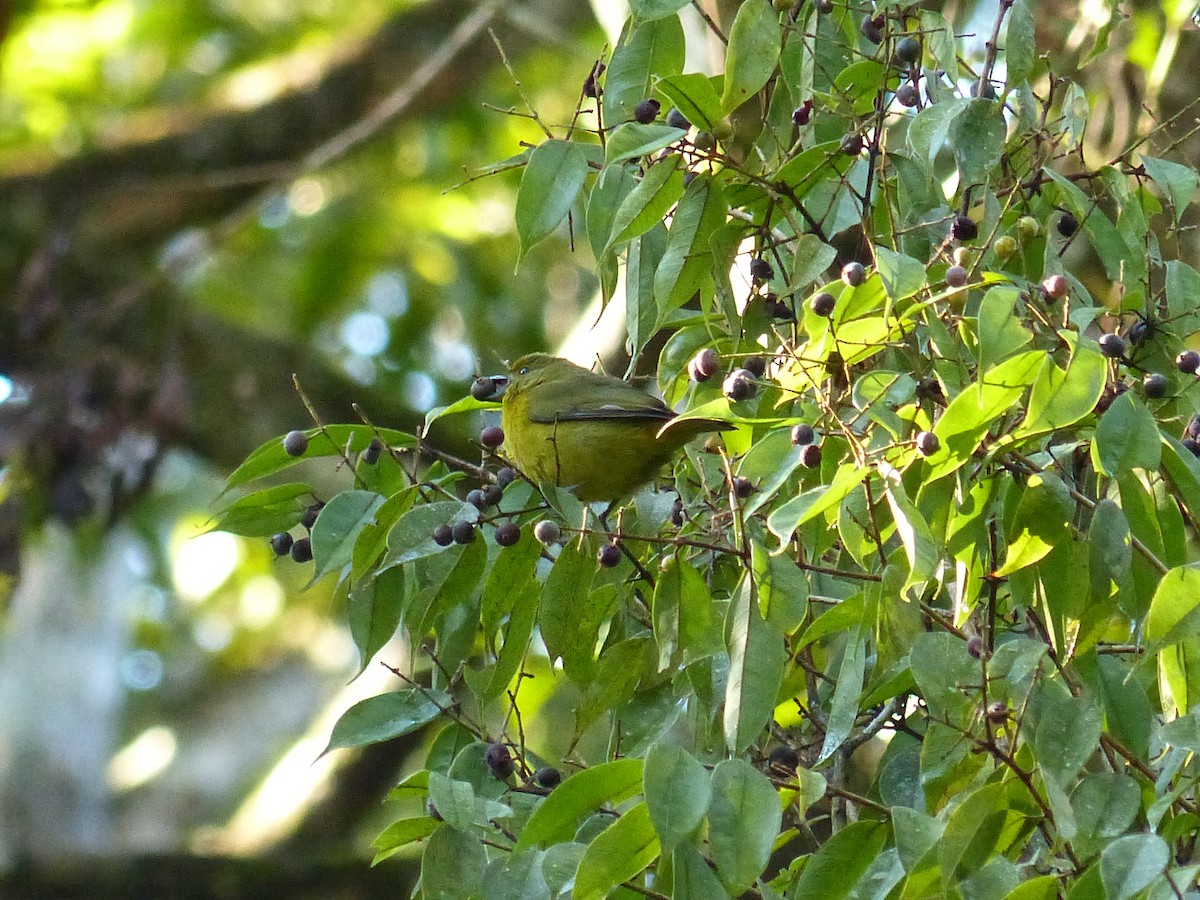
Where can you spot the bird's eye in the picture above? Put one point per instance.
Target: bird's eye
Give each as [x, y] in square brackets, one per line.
[524, 370]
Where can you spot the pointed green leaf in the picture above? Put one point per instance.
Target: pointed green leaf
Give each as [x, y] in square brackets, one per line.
[552, 180]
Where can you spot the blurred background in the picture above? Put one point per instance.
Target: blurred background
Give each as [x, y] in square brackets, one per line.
[199, 200]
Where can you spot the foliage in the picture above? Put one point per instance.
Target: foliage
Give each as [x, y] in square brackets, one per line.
[952, 650]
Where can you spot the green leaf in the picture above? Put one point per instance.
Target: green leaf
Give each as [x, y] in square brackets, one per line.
[1020, 47]
[633, 139]
[756, 659]
[978, 140]
[617, 854]
[642, 257]
[752, 53]
[1132, 863]
[1075, 113]
[1105, 805]
[1063, 730]
[386, 716]
[411, 538]
[1110, 552]
[678, 790]
[614, 184]
[566, 600]
[785, 519]
[647, 204]
[400, 834]
[1177, 182]
[1175, 608]
[454, 800]
[552, 180]
[695, 96]
[685, 624]
[970, 415]
[1041, 522]
[915, 535]
[928, 131]
[843, 707]
[744, 819]
[338, 526]
[694, 878]
[265, 512]
[374, 612]
[649, 10]
[645, 50]
[490, 682]
[1000, 330]
[1183, 296]
[837, 867]
[902, 275]
[687, 262]
[579, 797]
[335, 440]
[1061, 398]
[452, 865]
[1126, 438]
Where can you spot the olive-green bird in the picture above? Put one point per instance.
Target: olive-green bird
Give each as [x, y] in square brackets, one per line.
[595, 434]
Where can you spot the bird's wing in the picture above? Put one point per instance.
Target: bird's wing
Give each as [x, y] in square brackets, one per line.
[593, 398]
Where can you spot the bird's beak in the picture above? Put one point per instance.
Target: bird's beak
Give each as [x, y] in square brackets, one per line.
[500, 383]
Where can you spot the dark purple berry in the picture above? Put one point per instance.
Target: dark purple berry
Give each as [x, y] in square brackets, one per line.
[964, 229]
[309, 519]
[908, 95]
[547, 777]
[508, 533]
[677, 513]
[295, 443]
[801, 115]
[823, 304]
[803, 434]
[755, 365]
[443, 535]
[1112, 345]
[1191, 445]
[872, 29]
[975, 646]
[983, 89]
[1056, 286]
[302, 550]
[743, 487]
[483, 388]
[927, 443]
[1067, 224]
[908, 50]
[1193, 427]
[499, 760]
[476, 499]
[760, 269]
[370, 456]
[608, 556]
[956, 276]
[281, 543]
[738, 385]
[854, 274]
[852, 144]
[492, 494]
[547, 532]
[1155, 386]
[647, 111]
[676, 119]
[463, 532]
[1188, 362]
[810, 456]
[492, 436]
[704, 365]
